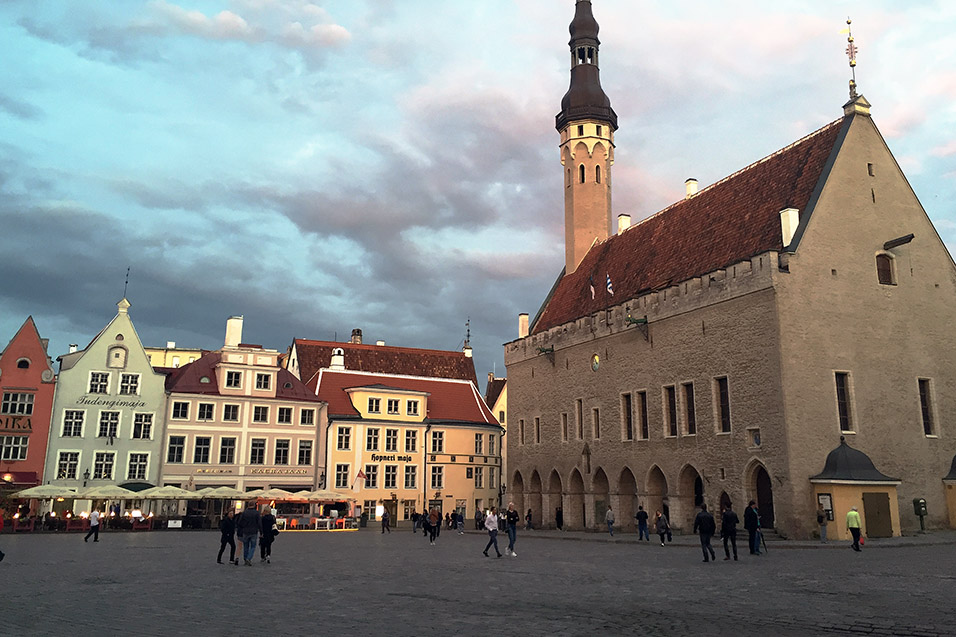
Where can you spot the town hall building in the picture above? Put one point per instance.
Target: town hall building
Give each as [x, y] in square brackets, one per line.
[780, 336]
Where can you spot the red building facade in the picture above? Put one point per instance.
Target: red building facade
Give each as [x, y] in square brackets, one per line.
[27, 383]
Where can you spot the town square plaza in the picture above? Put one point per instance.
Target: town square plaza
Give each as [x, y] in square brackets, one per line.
[367, 583]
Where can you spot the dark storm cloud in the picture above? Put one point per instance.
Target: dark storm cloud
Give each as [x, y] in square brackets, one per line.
[19, 108]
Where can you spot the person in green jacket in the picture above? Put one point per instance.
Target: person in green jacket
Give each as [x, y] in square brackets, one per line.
[853, 524]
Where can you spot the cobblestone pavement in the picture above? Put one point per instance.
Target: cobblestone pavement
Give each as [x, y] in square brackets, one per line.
[365, 583]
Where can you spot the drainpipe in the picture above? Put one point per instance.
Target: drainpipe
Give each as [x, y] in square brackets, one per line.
[428, 428]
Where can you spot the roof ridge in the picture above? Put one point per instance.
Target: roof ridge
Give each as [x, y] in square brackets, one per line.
[388, 375]
[734, 174]
[308, 341]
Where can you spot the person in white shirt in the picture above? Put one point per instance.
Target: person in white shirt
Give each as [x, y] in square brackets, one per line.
[491, 523]
[94, 527]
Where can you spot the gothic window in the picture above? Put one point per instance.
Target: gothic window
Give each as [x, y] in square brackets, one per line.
[581, 172]
[597, 174]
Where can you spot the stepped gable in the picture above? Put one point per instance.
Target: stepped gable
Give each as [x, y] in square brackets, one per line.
[725, 223]
[385, 359]
[450, 400]
[188, 380]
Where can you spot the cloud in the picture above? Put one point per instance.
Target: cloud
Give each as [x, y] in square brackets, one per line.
[19, 108]
[225, 25]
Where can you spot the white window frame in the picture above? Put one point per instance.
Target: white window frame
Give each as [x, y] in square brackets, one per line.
[125, 385]
[255, 414]
[230, 374]
[17, 403]
[173, 410]
[212, 412]
[76, 469]
[99, 423]
[411, 407]
[11, 443]
[147, 415]
[105, 452]
[82, 413]
[342, 470]
[129, 465]
[89, 384]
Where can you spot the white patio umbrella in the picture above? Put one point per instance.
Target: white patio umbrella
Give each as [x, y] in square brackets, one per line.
[272, 494]
[47, 491]
[105, 492]
[168, 493]
[324, 495]
[222, 493]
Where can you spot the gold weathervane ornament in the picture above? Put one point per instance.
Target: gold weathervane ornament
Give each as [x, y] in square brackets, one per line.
[851, 52]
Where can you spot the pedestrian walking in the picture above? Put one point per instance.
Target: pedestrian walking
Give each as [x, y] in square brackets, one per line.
[854, 525]
[641, 517]
[434, 525]
[728, 530]
[385, 521]
[491, 524]
[528, 521]
[248, 529]
[511, 517]
[662, 526]
[2, 554]
[752, 524]
[609, 518]
[94, 527]
[822, 522]
[416, 519]
[705, 526]
[559, 518]
[461, 522]
[227, 527]
[269, 531]
[479, 519]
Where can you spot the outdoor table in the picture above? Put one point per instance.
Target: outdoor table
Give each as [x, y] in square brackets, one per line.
[281, 523]
[323, 523]
[24, 526]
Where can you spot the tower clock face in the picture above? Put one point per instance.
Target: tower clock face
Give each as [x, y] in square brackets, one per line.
[595, 362]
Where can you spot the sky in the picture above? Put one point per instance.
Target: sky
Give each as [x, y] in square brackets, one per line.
[393, 165]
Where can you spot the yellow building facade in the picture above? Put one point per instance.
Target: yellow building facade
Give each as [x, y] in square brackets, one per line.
[404, 444]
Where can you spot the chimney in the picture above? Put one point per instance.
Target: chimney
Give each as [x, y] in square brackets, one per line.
[233, 331]
[467, 351]
[356, 336]
[170, 344]
[73, 347]
[338, 359]
[690, 185]
[523, 325]
[380, 343]
[623, 223]
[789, 220]
[491, 376]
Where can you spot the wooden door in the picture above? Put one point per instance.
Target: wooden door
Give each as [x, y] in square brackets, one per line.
[876, 513]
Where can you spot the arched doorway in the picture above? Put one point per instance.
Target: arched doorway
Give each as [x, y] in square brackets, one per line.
[534, 500]
[725, 502]
[627, 492]
[556, 497]
[657, 492]
[516, 493]
[602, 497]
[574, 516]
[690, 496]
[763, 487]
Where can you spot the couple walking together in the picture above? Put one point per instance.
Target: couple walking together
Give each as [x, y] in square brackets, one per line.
[491, 524]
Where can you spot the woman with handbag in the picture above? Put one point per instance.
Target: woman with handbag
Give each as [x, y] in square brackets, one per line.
[269, 531]
[662, 526]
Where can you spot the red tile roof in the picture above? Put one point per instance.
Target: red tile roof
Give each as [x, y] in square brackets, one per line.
[448, 400]
[384, 359]
[723, 224]
[493, 390]
[187, 380]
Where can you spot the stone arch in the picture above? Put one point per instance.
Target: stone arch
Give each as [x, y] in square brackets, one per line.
[601, 490]
[627, 498]
[516, 493]
[759, 485]
[656, 485]
[534, 499]
[555, 498]
[724, 502]
[690, 495]
[574, 516]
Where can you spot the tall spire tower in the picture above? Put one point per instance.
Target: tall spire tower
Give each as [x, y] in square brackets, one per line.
[586, 124]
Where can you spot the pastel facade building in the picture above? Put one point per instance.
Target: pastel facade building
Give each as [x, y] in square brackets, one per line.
[108, 412]
[27, 383]
[717, 350]
[236, 418]
[406, 443]
[172, 356]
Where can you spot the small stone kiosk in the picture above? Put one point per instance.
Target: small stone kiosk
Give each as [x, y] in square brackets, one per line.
[849, 479]
[949, 483]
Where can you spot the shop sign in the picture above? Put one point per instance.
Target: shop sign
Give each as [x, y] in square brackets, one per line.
[217, 471]
[279, 472]
[15, 423]
[377, 457]
[110, 403]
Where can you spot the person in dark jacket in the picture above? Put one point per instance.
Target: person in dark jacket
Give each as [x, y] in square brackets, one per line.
[752, 524]
[641, 517]
[228, 529]
[559, 518]
[248, 528]
[661, 525]
[705, 525]
[728, 530]
[268, 534]
[511, 519]
[385, 519]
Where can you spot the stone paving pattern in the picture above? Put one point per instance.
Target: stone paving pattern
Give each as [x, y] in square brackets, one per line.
[366, 583]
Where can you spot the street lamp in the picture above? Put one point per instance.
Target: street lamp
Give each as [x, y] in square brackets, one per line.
[86, 476]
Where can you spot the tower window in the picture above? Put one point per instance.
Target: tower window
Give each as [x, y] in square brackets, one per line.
[569, 177]
[597, 174]
[580, 131]
[581, 175]
[884, 269]
[599, 131]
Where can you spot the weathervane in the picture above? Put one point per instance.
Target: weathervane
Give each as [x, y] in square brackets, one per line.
[126, 285]
[851, 52]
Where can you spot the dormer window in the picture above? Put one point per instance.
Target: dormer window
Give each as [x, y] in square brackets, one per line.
[116, 357]
[411, 407]
[374, 405]
[884, 269]
[234, 379]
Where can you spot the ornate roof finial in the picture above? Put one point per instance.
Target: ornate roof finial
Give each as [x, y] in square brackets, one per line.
[851, 52]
